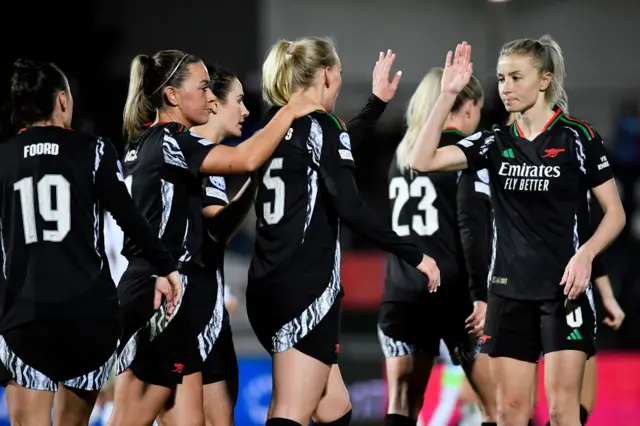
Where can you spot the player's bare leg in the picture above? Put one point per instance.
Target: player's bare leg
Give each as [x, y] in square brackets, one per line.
[485, 388]
[515, 384]
[73, 407]
[563, 372]
[589, 384]
[185, 406]
[407, 378]
[335, 406]
[298, 384]
[136, 402]
[28, 407]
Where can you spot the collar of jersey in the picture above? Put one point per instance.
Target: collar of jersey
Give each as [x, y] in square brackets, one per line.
[517, 131]
[182, 128]
[451, 129]
[24, 129]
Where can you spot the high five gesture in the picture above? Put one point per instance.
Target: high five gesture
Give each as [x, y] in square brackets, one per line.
[457, 72]
[426, 156]
[382, 87]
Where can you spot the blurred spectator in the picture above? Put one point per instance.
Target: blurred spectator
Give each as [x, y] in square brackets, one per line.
[626, 138]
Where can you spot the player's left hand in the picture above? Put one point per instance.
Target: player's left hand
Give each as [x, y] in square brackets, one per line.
[475, 322]
[615, 314]
[382, 88]
[577, 274]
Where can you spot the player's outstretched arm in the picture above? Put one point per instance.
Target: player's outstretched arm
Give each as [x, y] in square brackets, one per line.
[426, 156]
[336, 165]
[112, 191]
[252, 153]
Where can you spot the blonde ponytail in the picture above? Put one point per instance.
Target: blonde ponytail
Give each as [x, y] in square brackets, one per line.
[556, 94]
[138, 106]
[293, 65]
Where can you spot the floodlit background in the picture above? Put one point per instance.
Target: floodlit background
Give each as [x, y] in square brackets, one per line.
[94, 41]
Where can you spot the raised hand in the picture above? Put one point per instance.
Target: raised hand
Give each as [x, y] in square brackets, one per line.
[457, 70]
[382, 87]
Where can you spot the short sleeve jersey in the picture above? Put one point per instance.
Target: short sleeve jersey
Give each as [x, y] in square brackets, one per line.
[539, 190]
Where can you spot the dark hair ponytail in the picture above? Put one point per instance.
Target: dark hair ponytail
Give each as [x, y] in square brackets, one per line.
[220, 81]
[34, 87]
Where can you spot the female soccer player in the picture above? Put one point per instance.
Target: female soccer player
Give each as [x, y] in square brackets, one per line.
[59, 313]
[220, 370]
[164, 165]
[424, 207]
[306, 190]
[222, 219]
[541, 170]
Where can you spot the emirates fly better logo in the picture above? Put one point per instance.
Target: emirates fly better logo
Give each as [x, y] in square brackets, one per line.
[526, 177]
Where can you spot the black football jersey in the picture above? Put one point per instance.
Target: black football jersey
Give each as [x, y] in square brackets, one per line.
[162, 171]
[539, 192]
[214, 193]
[55, 184]
[475, 215]
[423, 210]
[305, 191]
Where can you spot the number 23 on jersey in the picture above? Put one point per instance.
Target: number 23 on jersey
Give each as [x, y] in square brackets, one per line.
[424, 221]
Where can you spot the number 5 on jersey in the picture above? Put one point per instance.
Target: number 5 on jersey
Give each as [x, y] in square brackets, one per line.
[61, 214]
[274, 212]
[421, 187]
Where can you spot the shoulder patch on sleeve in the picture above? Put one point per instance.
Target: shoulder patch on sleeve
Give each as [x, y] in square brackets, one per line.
[483, 175]
[218, 182]
[345, 154]
[216, 193]
[345, 140]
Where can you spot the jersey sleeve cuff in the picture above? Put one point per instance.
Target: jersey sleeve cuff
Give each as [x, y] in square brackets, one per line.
[166, 267]
[377, 103]
[415, 259]
[479, 294]
[600, 180]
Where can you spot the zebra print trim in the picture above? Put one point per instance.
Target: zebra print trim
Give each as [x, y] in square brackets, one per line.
[392, 348]
[23, 374]
[314, 148]
[94, 380]
[291, 333]
[156, 325]
[172, 153]
[208, 337]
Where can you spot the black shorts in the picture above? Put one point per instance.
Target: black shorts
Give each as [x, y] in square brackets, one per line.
[157, 352]
[524, 330]
[78, 353]
[407, 327]
[320, 340]
[221, 364]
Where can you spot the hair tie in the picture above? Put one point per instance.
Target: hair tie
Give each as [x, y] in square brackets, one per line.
[290, 48]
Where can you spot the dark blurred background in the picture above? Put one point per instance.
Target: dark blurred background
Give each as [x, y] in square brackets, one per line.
[94, 41]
